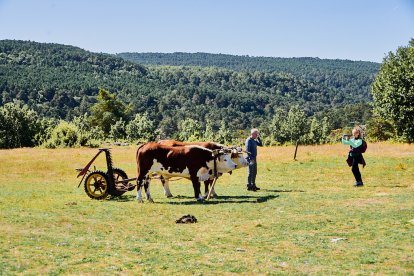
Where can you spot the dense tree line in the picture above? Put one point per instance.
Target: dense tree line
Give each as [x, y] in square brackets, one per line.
[344, 75]
[23, 127]
[63, 82]
[56, 95]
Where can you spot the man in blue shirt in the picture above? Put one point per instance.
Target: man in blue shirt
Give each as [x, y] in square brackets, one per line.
[251, 147]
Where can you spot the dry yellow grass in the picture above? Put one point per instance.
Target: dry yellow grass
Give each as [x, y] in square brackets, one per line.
[49, 226]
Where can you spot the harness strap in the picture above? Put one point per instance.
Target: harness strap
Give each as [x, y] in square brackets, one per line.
[211, 188]
[215, 178]
[215, 167]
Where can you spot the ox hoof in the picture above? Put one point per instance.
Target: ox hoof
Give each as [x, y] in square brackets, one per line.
[211, 196]
[140, 201]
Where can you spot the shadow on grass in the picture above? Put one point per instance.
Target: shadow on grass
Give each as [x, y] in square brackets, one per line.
[192, 201]
[225, 200]
[387, 186]
[122, 198]
[283, 191]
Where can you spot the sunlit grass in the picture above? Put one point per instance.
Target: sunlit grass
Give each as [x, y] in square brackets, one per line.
[49, 226]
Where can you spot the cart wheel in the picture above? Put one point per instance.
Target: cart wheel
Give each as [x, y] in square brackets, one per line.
[96, 185]
[120, 188]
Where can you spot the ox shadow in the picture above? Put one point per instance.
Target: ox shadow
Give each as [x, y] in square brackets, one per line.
[188, 200]
[122, 198]
[223, 200]
[283, 191]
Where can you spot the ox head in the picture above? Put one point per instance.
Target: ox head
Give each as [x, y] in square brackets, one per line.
[224, 161]
[238, 158]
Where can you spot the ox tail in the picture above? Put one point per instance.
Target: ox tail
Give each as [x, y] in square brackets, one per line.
[139, 147]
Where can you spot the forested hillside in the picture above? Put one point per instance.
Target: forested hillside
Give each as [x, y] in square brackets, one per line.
[345, 75]
[63, 81]
[58, 80]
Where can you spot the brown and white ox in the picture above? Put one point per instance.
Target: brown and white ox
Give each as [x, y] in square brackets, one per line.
[236, 156]
[191, 162]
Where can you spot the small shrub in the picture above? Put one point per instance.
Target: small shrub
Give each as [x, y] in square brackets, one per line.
[141, 128]
[335, 136]
[64, 135]
[92, 143]
[18, 127]
[89, 136]
[380, 129]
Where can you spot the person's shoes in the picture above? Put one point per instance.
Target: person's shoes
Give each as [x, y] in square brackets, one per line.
[256, 188]
[251, 188]
[358, 184]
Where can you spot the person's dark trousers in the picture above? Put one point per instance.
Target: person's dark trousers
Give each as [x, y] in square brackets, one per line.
[355, 170]
[251, 179]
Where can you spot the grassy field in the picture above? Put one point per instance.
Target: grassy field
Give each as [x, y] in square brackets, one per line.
[307, 219]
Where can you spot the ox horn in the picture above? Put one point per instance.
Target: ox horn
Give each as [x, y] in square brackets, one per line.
[236, 148]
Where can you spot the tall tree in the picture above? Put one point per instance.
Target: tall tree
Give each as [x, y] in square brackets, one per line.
[296, 124]
[276, 127]
[224, 134]
[209, 134]
[393, 91]
[326, 129]
[189, 130]
[118, 130]
[315, 131]
[141, 128]
[108, 110]
[19, 126]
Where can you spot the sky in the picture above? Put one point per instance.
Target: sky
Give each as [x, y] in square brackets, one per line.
[336, 29]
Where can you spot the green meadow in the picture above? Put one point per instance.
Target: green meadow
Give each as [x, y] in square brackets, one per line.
[307, 219]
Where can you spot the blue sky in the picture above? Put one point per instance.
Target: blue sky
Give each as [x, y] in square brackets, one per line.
[345, 29]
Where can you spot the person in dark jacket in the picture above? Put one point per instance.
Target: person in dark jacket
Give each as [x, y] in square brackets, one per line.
[355, 154]
[251, 147]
